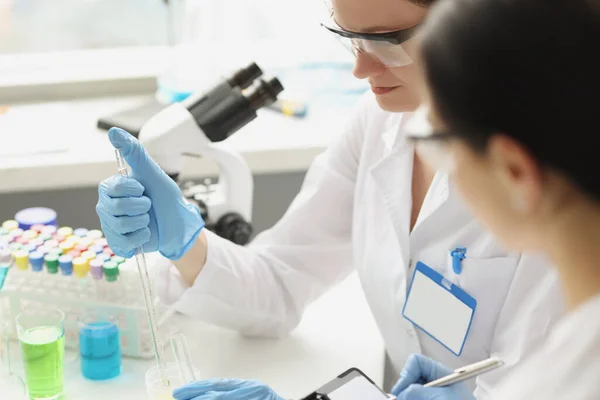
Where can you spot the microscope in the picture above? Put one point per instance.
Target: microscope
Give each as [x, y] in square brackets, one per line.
[201, 125]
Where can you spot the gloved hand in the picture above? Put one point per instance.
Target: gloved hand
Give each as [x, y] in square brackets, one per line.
[225, 389]
[420, 370]
[146, 209]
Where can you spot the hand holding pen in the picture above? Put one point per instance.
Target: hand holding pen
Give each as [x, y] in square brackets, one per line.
[424, 379]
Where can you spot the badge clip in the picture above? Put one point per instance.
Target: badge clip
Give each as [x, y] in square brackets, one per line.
[458, 254]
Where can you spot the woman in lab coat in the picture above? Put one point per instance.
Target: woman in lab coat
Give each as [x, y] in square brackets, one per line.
[520, 143]
[368, 204]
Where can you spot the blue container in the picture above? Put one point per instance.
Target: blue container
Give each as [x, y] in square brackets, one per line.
[100, 350]
[35, 216]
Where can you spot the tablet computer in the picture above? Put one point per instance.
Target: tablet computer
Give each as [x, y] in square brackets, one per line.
[353, 384]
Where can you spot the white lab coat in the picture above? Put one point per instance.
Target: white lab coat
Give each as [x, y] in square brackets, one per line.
[353, 212]
[568, 365]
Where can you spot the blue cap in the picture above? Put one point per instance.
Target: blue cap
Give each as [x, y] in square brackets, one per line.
[31, 247]
[36, 260]
[96, 248]
[103, 257]
[81, 232]
[66, 264]
[35, 216]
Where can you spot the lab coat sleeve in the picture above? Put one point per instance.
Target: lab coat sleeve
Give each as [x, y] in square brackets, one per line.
[262, 289]
[533, 304]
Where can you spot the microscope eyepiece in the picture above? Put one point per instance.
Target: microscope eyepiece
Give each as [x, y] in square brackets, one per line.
[264, 94]
[244, 77]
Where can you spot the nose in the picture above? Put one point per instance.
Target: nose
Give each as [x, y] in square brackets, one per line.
[366, 66]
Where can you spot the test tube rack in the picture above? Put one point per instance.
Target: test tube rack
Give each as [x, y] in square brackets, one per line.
[88, 298]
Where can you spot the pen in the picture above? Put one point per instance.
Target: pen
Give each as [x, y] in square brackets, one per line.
[467, 372]
[290, 108]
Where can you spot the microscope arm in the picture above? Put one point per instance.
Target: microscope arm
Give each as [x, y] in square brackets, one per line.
[172, 132]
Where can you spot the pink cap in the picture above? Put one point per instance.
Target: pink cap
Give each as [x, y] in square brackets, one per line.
[81, 248]
[74, 253]
[38, 228]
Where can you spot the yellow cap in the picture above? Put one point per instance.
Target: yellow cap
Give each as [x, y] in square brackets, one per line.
[88, 255]
[66, 246]
[21, 259]
[29, 234]
[73, 239]
[95, 234]
[10, 224]
[86, 241]
[65, 231]
[80, 267]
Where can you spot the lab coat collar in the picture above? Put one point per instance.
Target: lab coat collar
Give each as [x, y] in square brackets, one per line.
[391, 174]
[393, 137]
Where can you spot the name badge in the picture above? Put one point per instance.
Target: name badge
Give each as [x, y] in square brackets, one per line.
[439, 308]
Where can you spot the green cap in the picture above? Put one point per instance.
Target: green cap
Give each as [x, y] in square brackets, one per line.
[111, 271]
[14, 246]
[51, 261]
[45, 236]
[117, 259]
[56, 251]
[3, 231]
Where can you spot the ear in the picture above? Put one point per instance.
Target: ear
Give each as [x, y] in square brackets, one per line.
[518, 170]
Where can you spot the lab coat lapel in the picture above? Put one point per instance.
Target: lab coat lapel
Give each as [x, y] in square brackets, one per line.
[391, 176]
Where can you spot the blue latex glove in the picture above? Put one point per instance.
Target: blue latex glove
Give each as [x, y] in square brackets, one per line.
[225, 389]
[420, 370]
[146, 209]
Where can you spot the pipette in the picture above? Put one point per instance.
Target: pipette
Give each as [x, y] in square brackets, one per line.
[147, 289]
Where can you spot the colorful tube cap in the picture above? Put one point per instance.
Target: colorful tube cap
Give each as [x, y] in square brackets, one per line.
[36, 259]
[21, 259]
[97, 268]
[65, 231]
[66, 264]
[51, 263]
[6, 257]
[81, 232]
[10, 224]
[111, 271]
[95, 234]
[80, 267]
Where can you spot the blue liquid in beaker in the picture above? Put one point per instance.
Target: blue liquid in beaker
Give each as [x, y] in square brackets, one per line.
[100, 349]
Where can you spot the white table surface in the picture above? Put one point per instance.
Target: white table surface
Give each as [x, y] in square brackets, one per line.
[78, 154]
[337, 332]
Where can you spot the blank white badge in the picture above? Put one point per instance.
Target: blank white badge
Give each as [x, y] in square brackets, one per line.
[438, 307]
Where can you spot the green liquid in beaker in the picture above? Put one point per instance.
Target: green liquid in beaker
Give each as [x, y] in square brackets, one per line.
[43, 351]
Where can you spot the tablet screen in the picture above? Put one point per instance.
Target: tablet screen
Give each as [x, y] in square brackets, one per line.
[358, 388]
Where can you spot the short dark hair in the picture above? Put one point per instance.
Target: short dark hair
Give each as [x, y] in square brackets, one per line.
[527, 68]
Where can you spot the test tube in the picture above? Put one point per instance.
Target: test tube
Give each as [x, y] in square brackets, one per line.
[182, 358]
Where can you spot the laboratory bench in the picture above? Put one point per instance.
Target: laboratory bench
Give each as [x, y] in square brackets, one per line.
[57, 145]
[336, 333]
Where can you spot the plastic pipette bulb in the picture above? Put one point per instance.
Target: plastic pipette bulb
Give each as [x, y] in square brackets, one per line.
[147, 289]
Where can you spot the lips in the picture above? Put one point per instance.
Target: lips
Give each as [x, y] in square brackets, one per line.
[382, 89]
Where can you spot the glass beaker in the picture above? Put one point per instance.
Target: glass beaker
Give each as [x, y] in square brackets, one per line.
[11, 384]
[154, 384]
[99, 348]
[42, 337]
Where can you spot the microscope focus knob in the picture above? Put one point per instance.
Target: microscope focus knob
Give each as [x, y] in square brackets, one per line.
[234, 227]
